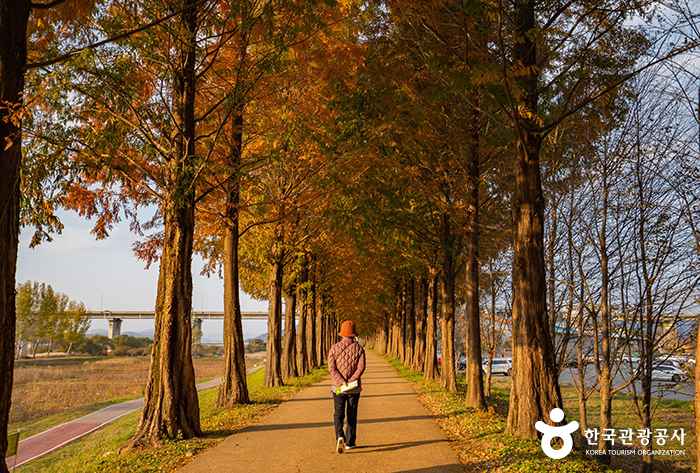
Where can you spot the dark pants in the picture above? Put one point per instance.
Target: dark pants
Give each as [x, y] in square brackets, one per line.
[339, 402]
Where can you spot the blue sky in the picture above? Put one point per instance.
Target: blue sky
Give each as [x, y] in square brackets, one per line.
[106, 275]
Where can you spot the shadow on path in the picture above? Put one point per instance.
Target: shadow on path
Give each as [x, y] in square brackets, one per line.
[395, 433]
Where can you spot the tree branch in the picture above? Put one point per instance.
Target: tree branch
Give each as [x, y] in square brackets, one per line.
[75, 52]
[46, 6]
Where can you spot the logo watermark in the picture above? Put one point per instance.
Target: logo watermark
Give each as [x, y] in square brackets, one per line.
[550, 432]
[612, 437]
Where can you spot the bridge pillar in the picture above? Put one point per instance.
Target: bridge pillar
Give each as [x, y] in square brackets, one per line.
[115, 328]
[197, 331]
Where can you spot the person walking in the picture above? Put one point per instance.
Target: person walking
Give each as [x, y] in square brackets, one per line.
[346, 362]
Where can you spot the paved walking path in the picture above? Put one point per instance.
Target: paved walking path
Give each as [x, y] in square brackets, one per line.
[395, 433]
[56, 437]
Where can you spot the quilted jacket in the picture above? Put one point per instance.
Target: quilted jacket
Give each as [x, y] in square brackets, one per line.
[346, 362]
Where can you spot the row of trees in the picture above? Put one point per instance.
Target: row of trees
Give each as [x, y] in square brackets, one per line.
[351, 159]
[45, 314]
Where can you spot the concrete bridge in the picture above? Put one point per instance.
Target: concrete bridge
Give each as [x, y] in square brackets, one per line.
[116, 317]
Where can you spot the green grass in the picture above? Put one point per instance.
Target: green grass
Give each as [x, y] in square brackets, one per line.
[217, 424]
[480, 437]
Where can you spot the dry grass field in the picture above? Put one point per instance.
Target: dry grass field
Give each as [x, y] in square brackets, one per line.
[43, 388]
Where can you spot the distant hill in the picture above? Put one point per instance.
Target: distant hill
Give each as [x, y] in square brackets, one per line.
[213, 338]
[144, 333]
[97, 331]
[262, 336]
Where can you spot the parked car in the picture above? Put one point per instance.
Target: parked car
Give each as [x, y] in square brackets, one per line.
[631, 359]
[499, 365]
[666, 372]
[679, 361]
[462, 364]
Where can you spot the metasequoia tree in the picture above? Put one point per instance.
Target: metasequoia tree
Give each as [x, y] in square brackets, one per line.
[253, 38]
[538, 62]
[399, 163]
[450, 40]
[14, 16]
[132, 126]
[256, 65]
[171, 405]
[282, 198]
[15, 26]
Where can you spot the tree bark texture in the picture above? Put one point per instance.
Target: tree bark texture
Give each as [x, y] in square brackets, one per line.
[604, 370]
[492, 335]
[302, 356]
[320, 328]
[430, 369]
[551, 279]
[410, 322]
[311, 320]
[289, 366]
[273, 368]
[535, 387]
[171, 405]
[234, 387]
[14, 15]
[396, 327]
[447, 368]
[475, 383]
[421, 319]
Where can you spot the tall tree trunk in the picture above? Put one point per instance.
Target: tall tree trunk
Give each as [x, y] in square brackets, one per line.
[474, 378]
[492, 333]
[647, 326]
[171, 405]
[580, 367]
[402, 323]
[14, 15]
[398, 326]
[234, 387]
[551, 280]
[421, 320]
[430, 369]
[320, 328]
[273, 368]
[410, 317]
[311, 318]
[302, 357]
[447, 370]
[289, 366]
[395, 324]
[604, 372]
[535, 387]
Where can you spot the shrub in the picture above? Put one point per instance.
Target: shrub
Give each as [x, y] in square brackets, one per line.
[89, 346]
[120, 351]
